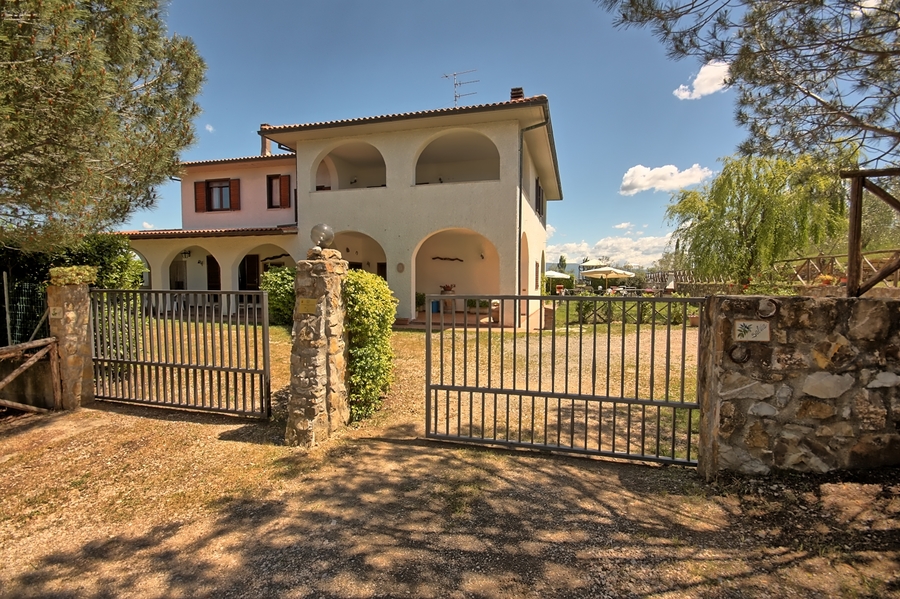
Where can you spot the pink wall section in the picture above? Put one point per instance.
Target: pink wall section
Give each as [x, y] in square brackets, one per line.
[254, 211]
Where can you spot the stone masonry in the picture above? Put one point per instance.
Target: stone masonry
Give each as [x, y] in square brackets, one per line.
[70, 323]
[318, 403]
[818, 389]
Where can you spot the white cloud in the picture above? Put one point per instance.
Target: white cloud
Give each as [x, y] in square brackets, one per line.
[664, 178]
[865, 7]
[148, 225]
[642, 251]
[210, 128]
[550, 231]
[623, 226]
[709, 80]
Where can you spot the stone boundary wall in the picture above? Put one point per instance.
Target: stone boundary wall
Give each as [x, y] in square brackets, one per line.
[799, 383]
[705, 289]
[318, 404]
[70, 322]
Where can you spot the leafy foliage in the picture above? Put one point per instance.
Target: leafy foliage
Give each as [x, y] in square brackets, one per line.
[73, 275]
[371, 310]
[96, 102]
[117, 266]
[279, 282]
[756, 211]
[810, 74]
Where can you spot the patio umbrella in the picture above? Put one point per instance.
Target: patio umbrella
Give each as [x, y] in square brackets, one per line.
[552, 274]
[607, 272]
[591, 264]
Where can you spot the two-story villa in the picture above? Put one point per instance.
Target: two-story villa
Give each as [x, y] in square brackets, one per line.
[453, 196]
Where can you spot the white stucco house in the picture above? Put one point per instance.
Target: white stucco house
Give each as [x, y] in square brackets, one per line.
[449, 196]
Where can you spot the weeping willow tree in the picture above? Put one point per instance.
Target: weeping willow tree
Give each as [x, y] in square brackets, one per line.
[755, 212]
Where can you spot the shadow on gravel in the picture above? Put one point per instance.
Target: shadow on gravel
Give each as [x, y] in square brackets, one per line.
[397, 516]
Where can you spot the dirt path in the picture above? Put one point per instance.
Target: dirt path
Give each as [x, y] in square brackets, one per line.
[117, 501]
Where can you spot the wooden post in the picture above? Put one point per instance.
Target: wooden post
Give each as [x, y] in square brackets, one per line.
[54, 373]
[854, 243]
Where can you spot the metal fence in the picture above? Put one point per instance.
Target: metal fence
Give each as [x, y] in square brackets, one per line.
[194, 350]
[610, 376]
[23, 309]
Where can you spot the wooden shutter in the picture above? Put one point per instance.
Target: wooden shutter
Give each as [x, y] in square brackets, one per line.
[285, 191]
[199, 196]
[235, 185]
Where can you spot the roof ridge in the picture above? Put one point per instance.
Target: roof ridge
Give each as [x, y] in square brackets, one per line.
[433, 111]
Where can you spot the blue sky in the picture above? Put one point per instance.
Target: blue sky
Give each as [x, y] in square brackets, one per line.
[627, 132]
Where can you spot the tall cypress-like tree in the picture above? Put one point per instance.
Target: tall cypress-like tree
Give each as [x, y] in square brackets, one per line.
[96, 103]
[810, 74]
[755, 212]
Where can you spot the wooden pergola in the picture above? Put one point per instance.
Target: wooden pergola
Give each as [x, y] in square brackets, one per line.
[861, 180]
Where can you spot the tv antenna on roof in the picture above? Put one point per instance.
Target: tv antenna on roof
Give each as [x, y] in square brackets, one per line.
[457, 84]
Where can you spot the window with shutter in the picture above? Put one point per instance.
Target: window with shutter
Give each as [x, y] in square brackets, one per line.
[235, 186]
[200, 196]
[279, 191]
[538, 197]
[285, 191]
[218, 195]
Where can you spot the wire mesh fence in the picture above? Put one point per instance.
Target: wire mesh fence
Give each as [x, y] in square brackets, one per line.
[23, 308]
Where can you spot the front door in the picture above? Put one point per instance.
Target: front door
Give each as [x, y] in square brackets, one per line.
[213, 274]
[248, 273]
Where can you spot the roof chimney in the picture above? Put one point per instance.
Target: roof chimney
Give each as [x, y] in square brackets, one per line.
[266, 144]
[516, 93]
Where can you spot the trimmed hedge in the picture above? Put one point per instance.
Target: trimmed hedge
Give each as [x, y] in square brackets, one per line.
[279, 282]
[371, 310]
[73, 275]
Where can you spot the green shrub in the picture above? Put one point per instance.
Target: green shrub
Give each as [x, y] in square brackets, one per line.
[420, 300]
[117, 266]
[279, 282]
[73, 275]
[371, 310]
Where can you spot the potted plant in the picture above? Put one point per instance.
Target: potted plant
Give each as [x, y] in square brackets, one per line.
[474, 306]
[449, 305]
[693, 313]
[420, 301]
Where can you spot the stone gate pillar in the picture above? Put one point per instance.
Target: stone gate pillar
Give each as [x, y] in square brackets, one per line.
[70, 322]
[318, 403]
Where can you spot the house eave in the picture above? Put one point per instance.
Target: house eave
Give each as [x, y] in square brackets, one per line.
[205, 233]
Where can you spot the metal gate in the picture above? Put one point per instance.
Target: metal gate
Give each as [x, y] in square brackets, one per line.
[609, 376]
[195, 350]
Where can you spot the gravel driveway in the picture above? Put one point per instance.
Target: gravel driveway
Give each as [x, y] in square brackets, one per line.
[118, 501]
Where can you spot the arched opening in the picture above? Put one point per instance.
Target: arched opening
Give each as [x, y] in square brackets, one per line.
[524, 279]
[361, 252]
[188, 268]
[456, 157]
[353, 165]
[459, 257]
[259, 260]
[145, 276]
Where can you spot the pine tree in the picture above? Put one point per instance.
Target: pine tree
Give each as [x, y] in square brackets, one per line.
[96, 103]
[809, 74]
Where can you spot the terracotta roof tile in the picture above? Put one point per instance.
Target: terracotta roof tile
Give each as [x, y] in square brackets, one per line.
[404, 115]
[241, 159]
[188, 233]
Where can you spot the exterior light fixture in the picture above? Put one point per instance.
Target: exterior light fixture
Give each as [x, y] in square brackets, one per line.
[186, 254]
[322, 235]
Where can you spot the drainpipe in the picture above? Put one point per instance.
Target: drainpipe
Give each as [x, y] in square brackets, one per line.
[544, 123]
